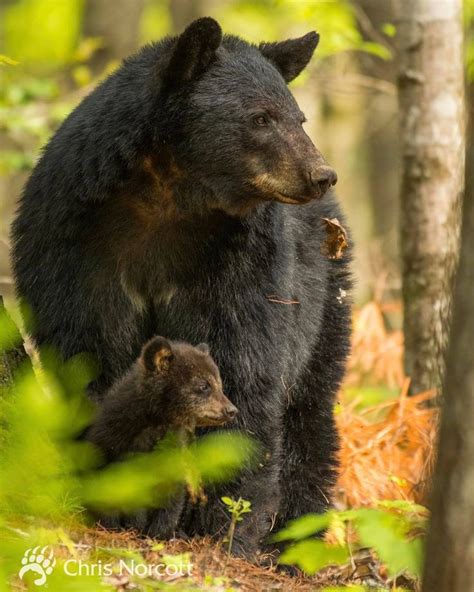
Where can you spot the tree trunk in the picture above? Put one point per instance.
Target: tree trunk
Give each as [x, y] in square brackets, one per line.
[449, 563]
[430, 85]
[381, 136]
[117, 23]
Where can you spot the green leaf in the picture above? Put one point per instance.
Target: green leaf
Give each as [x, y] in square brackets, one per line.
[389, 29]
[218, 456]
[304, 527]
[376, 49]
[386, 533]
[313, 555]
[403, 506]
[227, 501]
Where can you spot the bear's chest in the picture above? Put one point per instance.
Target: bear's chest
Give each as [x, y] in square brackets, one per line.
[259, 319]
[246, 289]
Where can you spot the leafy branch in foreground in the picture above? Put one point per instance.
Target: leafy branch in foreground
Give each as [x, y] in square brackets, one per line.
[393, 530]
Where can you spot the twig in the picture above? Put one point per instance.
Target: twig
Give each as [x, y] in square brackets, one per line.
[368, 27]
[276, 300]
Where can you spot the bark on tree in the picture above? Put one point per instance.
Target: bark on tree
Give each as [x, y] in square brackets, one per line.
[430, 84]
[449, 563]
[117, 23]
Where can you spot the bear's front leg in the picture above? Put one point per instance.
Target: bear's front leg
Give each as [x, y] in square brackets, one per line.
[162, 523]
[309, 470]
[311, 443]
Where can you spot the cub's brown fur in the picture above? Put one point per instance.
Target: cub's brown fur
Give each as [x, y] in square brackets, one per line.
[172, 387]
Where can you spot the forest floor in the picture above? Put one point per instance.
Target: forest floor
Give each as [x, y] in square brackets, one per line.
[387, 444]
[211, 569]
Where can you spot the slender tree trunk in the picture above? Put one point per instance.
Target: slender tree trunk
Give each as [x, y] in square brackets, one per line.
[117, 23]
[381, 134]
[449, 563]
[430, 87]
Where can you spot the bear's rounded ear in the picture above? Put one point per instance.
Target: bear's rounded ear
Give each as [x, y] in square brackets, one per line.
[292, 56]
[204, 348]
[157, 355]
[194, 51]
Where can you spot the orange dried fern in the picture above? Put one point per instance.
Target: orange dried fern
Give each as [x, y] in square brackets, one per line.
[387, 451]
[390, 458]
[377, 354]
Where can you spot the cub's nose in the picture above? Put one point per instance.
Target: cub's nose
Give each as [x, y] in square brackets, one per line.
[321, 178]
[230, 411]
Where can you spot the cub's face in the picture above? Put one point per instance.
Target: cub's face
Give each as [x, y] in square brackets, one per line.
[201, 397]
[189, 381]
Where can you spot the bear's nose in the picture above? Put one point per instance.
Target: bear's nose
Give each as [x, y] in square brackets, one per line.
[321, 178]
[230, 411]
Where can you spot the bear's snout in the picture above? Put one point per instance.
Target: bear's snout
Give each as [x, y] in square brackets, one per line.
[230, 411]
[321, 179]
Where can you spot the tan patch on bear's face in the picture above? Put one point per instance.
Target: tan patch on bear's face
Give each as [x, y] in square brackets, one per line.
[270, 187]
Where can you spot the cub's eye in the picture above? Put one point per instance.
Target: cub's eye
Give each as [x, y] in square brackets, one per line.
[204, 388]
[260, 120]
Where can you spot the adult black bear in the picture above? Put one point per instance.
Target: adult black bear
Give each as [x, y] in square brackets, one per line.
[162, 205]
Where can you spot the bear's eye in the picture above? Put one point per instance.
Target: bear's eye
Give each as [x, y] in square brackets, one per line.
[204, 388]
[260, 120]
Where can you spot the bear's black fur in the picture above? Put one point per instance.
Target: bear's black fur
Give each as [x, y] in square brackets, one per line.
[171, 389]
[162, 205]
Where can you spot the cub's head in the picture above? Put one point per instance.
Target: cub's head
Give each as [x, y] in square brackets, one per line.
[187, 381]
[233, 126]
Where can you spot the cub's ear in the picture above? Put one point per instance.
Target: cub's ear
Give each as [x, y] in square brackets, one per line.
[157, 355]
[292, 56]
[194, 51]
[204, 348]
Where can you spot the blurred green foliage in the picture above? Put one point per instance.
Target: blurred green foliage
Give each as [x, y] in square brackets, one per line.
[276, 19]
[392, 530]
[54, 42]
[44, 70]
[48, 476]
[40, 33]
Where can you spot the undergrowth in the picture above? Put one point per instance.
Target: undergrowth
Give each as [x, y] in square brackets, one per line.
[49, 477]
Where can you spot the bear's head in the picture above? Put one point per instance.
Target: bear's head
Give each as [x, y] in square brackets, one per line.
[231, 123]
[183, 383]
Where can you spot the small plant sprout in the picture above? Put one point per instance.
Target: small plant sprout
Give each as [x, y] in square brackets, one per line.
[236, 510]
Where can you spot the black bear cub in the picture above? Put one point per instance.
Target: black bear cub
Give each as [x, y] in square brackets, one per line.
[172, 387]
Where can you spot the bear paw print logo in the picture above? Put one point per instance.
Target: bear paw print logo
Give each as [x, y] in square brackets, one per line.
[38, 563]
